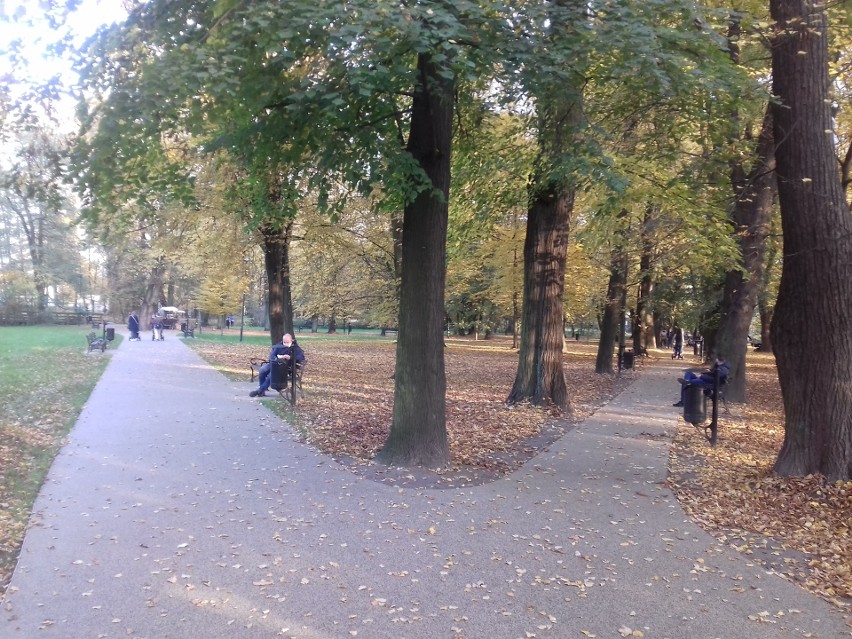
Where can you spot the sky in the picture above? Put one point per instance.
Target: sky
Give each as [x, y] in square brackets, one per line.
[25, 19]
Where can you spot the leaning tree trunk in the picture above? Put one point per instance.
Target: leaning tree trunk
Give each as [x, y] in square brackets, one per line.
[418, 434]
[815, 295]
[754, 193]
[276, 254]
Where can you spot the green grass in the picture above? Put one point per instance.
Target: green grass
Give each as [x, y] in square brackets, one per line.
[46, 376]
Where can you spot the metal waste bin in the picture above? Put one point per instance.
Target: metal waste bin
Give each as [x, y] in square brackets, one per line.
[280, 372]
[110, 333]
[694, 405]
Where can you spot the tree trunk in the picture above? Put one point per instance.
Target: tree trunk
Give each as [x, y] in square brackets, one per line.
[540, 378]
[754, 193]
[645, 337]
[815, 295]
[418, 434]
[612, 312]
[765, 297]
[276, 255]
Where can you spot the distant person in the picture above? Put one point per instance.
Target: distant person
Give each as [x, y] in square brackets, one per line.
[133, 326]
[704, 380]
[349, 328]
[677, 351]
[156, 327]
[285, 351]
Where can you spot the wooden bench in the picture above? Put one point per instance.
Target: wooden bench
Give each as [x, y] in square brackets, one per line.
[96, 342]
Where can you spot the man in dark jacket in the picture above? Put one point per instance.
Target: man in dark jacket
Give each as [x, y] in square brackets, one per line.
[133, 326]
[285, 351]
[704, 380]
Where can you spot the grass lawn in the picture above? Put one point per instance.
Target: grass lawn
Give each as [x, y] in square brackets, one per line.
[47, 376]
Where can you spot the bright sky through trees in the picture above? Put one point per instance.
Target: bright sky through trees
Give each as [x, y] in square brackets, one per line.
[25, 29]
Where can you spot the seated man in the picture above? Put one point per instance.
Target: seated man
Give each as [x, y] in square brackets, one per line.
[704, 380]
[285, 351]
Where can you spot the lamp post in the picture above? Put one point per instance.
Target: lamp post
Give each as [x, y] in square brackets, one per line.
[243, 307]
[242, 316]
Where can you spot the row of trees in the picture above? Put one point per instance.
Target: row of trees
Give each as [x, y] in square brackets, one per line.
[480, 159]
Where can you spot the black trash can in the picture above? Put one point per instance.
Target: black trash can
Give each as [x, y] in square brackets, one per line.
[279, 374]
[694, 405]
[110, 333]
[627, 361]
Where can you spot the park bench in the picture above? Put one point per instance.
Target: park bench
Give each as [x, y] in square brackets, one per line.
[280, 379]
[96, 342]
[187, 330]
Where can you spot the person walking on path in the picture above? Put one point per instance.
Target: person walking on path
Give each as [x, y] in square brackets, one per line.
[677, 353]
[133, 326]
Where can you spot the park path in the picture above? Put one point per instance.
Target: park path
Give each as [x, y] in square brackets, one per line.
[181, 508]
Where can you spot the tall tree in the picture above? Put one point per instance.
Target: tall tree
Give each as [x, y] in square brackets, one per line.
[815, 295]
[33, 194]
[540, 378]
[418, 432]
[615, 296]
[755, 190]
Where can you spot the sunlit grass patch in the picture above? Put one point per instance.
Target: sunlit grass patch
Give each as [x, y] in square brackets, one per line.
[47, 375]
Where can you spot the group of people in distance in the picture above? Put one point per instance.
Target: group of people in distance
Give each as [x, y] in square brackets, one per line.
[287, 350]
[133, 327]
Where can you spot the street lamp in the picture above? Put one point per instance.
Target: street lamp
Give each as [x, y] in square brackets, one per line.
[243, 307]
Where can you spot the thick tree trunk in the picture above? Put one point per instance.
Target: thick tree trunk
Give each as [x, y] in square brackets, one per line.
[815, 295]
[418, 434]
[276, 255]
[540, 378]
[754, 193]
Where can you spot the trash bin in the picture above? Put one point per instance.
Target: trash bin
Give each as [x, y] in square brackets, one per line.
[694, 405]
[110, 333]
[627, 361]
[279, 372]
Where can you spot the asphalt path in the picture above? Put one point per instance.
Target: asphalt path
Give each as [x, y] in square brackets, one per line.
[182, 508]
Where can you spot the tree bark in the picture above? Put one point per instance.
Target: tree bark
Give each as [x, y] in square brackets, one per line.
[612, 311]
[815, 295]
[754, 193]
[540, 378]
[645, 337]
[418, 434]
[276, 255]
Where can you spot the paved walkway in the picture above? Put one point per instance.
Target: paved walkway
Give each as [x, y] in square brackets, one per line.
[181, 508]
